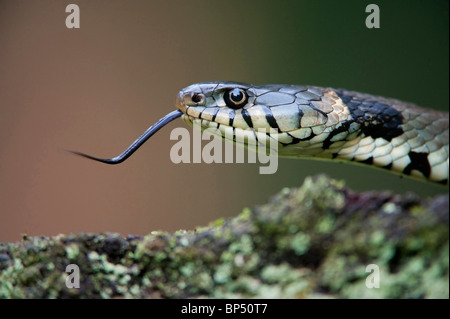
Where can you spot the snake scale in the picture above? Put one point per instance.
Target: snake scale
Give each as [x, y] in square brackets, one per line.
[326, 123]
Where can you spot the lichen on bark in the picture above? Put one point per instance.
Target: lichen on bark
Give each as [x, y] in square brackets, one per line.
[314, 241]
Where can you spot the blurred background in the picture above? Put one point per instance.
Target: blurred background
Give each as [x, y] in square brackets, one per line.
[97, 88]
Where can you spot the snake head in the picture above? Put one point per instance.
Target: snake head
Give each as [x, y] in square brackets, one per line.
[238, 105]
[215, 103]
[271, 108]
[229, 110]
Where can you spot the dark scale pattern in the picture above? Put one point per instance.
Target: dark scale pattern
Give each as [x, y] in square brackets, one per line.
[215, 114]
[296, 140]
[231, 119]
[376, 119]
[343, 128]
[316, 109]
[247, 118]
[300, 116]
[271, 120]
[419, 162]
[367, 161]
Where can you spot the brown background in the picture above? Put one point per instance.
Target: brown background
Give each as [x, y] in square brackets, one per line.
[95, 89]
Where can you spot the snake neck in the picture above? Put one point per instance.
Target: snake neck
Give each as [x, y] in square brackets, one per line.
[379, 132]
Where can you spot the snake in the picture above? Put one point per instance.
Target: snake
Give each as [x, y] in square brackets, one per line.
[318, 122]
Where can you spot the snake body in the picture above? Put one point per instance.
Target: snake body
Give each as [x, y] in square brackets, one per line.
[329, 123]
[326, 123]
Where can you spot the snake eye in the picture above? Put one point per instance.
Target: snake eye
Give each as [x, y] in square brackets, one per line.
[235, 98]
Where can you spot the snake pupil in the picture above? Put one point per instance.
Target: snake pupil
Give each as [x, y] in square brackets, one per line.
[235, 98]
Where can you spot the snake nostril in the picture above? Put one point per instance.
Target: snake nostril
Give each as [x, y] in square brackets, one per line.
[198, 98]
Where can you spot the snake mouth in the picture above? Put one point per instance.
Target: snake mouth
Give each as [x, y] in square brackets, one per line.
[255, 140]
[220, 122]
[199, 122]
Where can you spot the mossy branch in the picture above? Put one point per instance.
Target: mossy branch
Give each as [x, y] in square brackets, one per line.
[309, 242]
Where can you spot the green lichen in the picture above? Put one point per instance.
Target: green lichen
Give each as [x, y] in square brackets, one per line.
[314, 241]
[300, 243]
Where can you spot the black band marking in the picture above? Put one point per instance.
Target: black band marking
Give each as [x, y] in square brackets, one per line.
[215, 114]
[247, 118]
[296, 140]
[271, 120]
[343, 128]
[231, 118]
[376, 119]
[213, 117]
[419, 162]
[367, 161]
